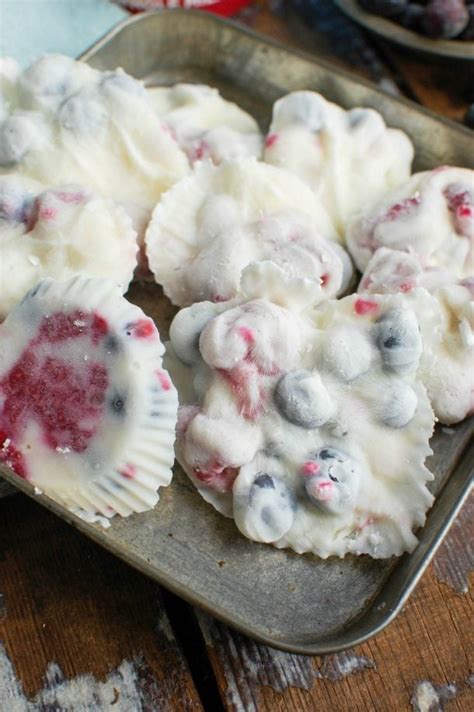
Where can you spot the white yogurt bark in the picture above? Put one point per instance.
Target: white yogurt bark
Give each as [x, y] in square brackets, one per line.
[432, 216]
[73, 123]
[87, 413]
[59, 232]
[216, 221]
[349, 158]
[308, 427]
[205, 125]
[446, 316]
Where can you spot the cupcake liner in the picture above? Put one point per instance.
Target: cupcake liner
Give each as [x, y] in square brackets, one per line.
[198, 239]
[113, 449]
[330, 458]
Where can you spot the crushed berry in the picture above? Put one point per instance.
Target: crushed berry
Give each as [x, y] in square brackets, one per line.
[365, 306]
[66, 401]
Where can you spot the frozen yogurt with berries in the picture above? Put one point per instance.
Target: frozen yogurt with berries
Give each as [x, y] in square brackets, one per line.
[59, 232]
[446, 317]
[73, 123]
[307, 425]
[216, 221]
[204, 124]
[432, 216]
[87, 413]
[349, 158]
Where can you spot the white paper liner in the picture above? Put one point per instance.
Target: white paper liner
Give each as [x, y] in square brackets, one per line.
[129, 456]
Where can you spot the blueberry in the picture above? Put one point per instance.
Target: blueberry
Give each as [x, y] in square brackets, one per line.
[469, 116]
[112, 344]
[445, 19]
[396, 405]
[186, 329]
[82, 114]
[327, 454]
[397, 336]
[412, 16]
[17, 138]
[301, 397]
[264, 481]
[300, 107]
[264, 507]
[118, 80]
[117, 404]
[468, 33]
[347, 352]
[386, 8]
[331, 480]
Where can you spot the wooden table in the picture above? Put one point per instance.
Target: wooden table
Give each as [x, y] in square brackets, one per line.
[79, 630]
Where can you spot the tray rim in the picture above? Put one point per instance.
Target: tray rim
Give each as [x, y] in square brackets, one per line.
[302, 54]
[327, 645]
[98, 535]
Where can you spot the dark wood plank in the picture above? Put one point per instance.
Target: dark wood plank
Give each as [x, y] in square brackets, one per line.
[426, 653]
[79, 630]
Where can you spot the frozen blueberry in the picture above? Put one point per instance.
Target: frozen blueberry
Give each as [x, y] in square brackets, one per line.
[347, 353]
[18, 135]
[304, 108]
[302, 398]
[264, 507]
[331, 480]
[412, 16]
[397, 335]
[468, 33]
[469, 116]
[186, 329]
[82, 113]
[120, 81]
[396, 405]
[117, 404]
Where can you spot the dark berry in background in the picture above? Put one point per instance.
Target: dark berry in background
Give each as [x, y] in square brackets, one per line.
[386, 8]
[412, 16]
[445, 19]
[469, 117]
[439, 19]
[468, 33]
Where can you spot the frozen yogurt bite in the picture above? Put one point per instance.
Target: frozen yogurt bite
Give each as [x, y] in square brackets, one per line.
[72, 123]
[59, 232]
[205, 125]
[87, 413]
[306, 424]
[445, 311]
[431, 215]
[350, 159]
[219, 219]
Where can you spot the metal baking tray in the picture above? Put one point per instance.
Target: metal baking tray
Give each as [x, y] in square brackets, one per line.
[296, 603]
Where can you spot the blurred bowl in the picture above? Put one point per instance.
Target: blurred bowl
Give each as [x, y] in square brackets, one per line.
[414, 41]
